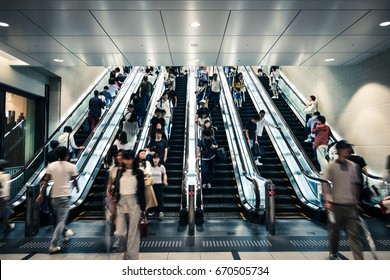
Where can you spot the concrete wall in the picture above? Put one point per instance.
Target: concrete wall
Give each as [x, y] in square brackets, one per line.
[66, 91]
[356, 102]
[67, 84]
[23, 78]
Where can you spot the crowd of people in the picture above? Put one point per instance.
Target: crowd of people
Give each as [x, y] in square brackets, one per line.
[135, 183]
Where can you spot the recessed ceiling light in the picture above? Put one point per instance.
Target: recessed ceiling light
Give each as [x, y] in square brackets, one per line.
[59, 60]
[4, 24]
[329, 59]
[194, 24]
[194, 45]
[385, 23]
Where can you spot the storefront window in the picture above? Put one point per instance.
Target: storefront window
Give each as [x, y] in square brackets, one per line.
[19, 138]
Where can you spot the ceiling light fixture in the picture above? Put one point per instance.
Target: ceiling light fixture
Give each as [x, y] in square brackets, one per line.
[385, 23]
[194, 24]
[4, 24]
[59, 60]
[329, 59]
[194, 45]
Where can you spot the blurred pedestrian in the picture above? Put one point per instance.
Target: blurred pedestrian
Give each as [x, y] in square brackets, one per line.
[61, 173]
[341, 201]
[4, 196]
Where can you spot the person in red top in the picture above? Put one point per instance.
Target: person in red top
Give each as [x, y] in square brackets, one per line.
[322, 133]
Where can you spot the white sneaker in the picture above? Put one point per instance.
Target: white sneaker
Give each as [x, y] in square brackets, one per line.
[204, 186]
[68, 234]
[54, 249]
[209, 185]
[308, 141]
[258, 163]
[161, 216]
[274, 97]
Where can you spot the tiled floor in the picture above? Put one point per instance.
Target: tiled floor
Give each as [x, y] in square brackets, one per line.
[214, 240]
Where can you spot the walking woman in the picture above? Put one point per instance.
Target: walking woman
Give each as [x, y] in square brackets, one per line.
[131, 204]
[160, 180]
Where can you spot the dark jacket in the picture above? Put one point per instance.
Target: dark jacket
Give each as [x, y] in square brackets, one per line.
[95, 107]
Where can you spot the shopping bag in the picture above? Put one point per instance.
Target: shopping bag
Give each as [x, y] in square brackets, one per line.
[150, 197]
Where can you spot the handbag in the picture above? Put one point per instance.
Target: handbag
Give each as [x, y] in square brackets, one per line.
[149, 180]
[143, 227]
[221, 154]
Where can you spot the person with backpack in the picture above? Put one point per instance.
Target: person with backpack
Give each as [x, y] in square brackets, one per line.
[206, 151]
[67, 140]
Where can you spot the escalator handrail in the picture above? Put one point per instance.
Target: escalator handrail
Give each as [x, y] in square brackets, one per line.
[238, 135]
[300, 97]
[47, 142]
[314, 178]
[102, 134]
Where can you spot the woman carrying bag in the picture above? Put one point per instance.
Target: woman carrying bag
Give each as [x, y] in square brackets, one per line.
[160, 179]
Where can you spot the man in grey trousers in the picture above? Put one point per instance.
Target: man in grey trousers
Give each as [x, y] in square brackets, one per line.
[342, 201]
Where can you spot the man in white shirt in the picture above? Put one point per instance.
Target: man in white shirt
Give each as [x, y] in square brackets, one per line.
[61, 172]
[260, 127]
[166, 104]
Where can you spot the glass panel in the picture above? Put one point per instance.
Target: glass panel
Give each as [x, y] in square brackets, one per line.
[15, 140]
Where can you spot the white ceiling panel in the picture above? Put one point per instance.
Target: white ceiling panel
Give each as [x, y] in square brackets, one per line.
[88, 44]
[34, 44]
[207, 59]
[205, 44]
[19, 24]
[211, 22]
[305, 44]
[323, 22]
[144, 59]
[339, 59]
[239, 58]
[69, 60]
[98, 60]
[369, 24]
[354, 43]
[259, 22]
[251, 44]
[381, 47]
[289, 58]
[283, 32]
[358, 59]
[65, 22]
[141, 44]
[130, 22]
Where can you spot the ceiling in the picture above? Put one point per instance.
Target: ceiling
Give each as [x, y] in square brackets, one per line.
[256, 32]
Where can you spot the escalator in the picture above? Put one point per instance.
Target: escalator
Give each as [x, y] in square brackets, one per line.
[222, 200]
[174, 164]
[293, 122]
[287, 204]
[92, 142]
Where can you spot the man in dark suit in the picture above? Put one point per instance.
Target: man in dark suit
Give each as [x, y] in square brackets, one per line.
[95, 110]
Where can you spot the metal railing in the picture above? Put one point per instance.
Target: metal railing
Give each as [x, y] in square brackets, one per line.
[306, 181]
